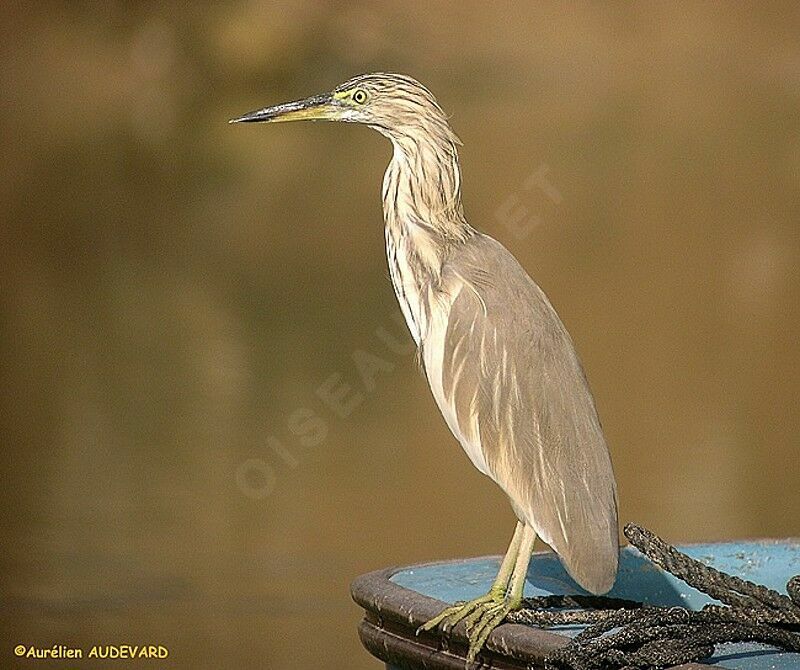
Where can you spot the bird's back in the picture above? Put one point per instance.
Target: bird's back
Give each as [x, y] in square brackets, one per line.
[506, 376]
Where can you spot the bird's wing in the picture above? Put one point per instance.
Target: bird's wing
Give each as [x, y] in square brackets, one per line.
[509, 365]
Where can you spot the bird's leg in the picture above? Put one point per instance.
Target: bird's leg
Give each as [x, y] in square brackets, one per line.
[482, 622]
[450, 616]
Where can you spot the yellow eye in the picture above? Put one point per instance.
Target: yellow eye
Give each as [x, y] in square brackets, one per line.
[359, 96]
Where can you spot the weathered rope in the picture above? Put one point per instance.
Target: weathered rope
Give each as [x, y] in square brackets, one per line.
[622, 634]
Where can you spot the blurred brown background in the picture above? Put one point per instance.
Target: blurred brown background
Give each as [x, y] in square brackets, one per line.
[175, 291]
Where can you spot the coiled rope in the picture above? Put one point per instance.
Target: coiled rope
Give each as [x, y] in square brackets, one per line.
[623, 634]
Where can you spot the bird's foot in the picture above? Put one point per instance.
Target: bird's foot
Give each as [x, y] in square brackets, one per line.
[482, 622]
[480, 616]
[450, 616]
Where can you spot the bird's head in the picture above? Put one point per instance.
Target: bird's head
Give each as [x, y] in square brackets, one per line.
[396, 105]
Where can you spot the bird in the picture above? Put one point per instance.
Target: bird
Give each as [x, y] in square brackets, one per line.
[501, 365]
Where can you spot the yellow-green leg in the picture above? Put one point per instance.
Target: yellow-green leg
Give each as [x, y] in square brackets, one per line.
[450, 616]
[479, 627]
[484, 614]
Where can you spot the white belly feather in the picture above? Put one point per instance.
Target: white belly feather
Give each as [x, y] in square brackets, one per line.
[433, 349]
[429, 333]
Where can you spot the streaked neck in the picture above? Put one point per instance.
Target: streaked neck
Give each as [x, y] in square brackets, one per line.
[422, 186]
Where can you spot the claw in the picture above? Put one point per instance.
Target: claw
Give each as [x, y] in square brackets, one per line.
[480, 616]
[478, 635]
[450, 616]
[476, 615]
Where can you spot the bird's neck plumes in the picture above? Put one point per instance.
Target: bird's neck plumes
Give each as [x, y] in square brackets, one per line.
[424, 217]
[422, 185]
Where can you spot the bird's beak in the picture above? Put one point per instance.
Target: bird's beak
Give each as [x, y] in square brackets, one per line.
[314, 108]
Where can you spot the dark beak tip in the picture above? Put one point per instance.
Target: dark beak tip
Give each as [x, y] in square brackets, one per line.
[243, 119]
[277, 111]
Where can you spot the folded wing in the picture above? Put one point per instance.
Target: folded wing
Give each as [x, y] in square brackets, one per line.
[509, 368]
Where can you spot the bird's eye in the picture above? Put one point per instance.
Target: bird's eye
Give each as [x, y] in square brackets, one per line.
[359, 96]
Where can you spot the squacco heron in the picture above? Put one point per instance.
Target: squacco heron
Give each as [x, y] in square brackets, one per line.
[501, 365]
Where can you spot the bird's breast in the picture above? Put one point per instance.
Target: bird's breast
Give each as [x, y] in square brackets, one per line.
[426, 307]
[405, 281]
[463, 424]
